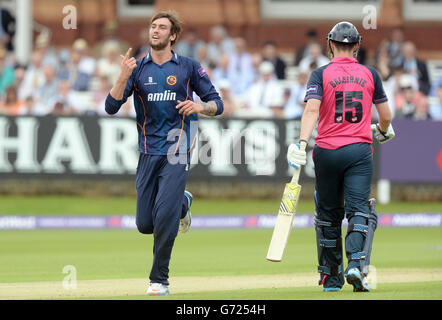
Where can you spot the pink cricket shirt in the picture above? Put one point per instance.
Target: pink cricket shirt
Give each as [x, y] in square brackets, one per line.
[347, 91]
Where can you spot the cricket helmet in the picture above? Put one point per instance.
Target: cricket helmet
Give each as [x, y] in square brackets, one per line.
[344, 32]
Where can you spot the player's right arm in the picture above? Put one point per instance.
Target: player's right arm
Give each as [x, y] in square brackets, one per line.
[123, 87]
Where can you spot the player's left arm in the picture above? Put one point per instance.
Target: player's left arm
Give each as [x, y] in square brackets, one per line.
[309, 118]
[211, 104]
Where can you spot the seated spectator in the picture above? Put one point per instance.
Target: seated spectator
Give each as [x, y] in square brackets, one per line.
[295, 105]
[87, 63]
[269, 53]
[231, 103]
[48, 90]
[392, 86]
[382, 63]
[203, 57]
[265, 98]
[240, 71]
[436, 106]
[189, 43]
[302, 52]
[143, 46]
[34, 76]
[395, 45]
[7, 73]
[314, 55]
[48, 52]
[219, 43]
[421, 111]
[221, 71]
[435, 86]
[66, 101]
[109, 64]
[408, 98]
[415, 67]
[99, 96]
[28, 106]
[77, 74]
[10, 105]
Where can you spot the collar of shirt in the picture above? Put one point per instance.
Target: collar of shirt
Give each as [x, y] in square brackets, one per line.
[149, 57]
[344, 60]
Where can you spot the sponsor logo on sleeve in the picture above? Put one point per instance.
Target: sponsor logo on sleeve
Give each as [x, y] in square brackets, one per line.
[202, 72]
[313, 89]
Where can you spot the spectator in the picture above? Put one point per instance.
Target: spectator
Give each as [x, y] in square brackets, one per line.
[28, 106]
[415, 67]
[203, 57]
[231, 103]
[43, 45]
[109, 64]
[66, 101]
[220, 43]
[87, 63]
[392, 86]
[435, 86]
[34, 76]
[240, 71]
[7, 73]
[395, 47]
[295, 105]
[408, 98]
[7, 30]
[314, 55]
[421, 111]
[79, 68]
[11, 105]
[269, 53]
[302, 52]
[143, 46]
[45, 93]
[99, 95]
[189, 44]
[382, 63]
[436, 106]
[221, 71]
[265, 98]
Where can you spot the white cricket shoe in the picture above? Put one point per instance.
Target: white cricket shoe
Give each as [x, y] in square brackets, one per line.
[187, 220]
[157, 289]
[357, 280]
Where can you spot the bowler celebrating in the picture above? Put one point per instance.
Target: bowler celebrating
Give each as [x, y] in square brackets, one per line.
[163, 84]
[340, 94]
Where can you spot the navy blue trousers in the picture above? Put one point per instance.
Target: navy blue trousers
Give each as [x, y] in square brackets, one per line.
[343, 183]
[160, 205]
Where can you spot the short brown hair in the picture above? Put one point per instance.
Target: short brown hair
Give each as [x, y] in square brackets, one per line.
[174, 20]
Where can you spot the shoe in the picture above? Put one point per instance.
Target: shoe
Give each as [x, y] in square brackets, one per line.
[187, 220]
[331, 289]
[157, 289]
[356, 279]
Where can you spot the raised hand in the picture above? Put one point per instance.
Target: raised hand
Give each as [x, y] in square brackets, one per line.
[127, 65]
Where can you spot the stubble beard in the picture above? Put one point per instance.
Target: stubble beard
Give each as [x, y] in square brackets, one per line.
[159, 46]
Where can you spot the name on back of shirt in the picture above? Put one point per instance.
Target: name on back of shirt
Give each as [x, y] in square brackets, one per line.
[348, 79]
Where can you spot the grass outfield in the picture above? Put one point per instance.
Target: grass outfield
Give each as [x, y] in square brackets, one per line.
[48, 205]
[408, 263]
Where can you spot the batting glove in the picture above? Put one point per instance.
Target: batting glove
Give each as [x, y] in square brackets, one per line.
[381, 136]
[295, 156]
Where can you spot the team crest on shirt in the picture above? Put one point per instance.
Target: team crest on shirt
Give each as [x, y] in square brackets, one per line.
[171, 80]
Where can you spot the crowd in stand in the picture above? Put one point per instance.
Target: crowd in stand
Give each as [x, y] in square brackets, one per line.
[252, 83]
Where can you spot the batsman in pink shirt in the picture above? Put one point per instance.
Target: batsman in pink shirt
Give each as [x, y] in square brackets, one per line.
[339, 98]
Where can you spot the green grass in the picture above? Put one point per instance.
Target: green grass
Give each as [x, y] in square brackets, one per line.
[387, 291]
[114, 254]
[52, 205]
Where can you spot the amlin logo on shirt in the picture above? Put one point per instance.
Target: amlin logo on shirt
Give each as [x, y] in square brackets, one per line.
[167, 95]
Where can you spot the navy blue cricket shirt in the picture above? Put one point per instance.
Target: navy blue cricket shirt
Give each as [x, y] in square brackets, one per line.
[156, 88]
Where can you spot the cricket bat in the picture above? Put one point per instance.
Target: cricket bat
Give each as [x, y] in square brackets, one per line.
[286, 213]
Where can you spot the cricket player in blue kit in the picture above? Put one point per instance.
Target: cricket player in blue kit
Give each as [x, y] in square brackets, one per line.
[163, 84]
